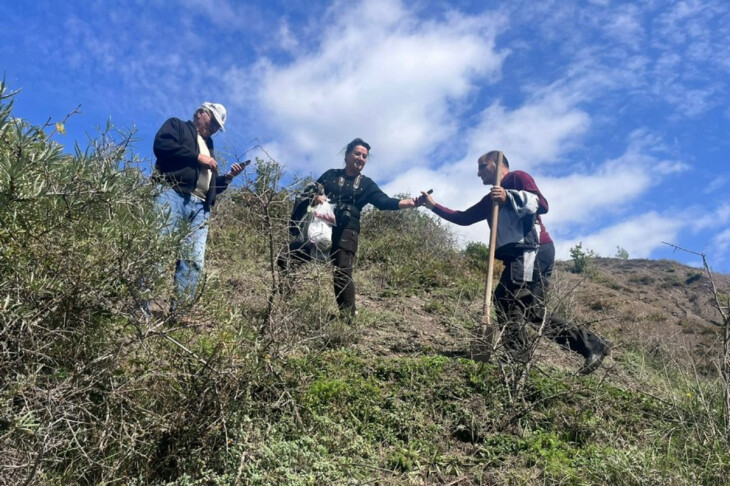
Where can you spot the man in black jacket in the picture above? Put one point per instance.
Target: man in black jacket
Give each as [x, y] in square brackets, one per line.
[188, 174]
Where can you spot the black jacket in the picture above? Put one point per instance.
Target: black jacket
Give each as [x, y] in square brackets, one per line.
[349, 200]
[176, 149]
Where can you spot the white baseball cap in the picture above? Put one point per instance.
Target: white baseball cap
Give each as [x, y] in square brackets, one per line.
[218, 111]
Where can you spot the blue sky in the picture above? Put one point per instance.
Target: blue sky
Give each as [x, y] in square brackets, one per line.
[620, 110]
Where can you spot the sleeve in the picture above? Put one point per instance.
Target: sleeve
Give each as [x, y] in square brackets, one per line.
[323, 178]
[221, 184]
[522, 203]
[379, 199]
[323, 181]
[478, 212]
[527, 183]
[169, 144]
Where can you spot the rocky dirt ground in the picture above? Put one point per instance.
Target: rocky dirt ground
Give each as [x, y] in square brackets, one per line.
[658, 306]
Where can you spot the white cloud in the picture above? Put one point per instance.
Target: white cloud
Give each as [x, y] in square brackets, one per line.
[389, 78]
[716, 184]
[287, 41]
[709, 217]
[640, 236]
[685, 72]
[592, 198]
[534, 134]
[223, 14]
[625, 25]
[580, 202]
[586, 199]
[671, 167]
[719, 248]
[563, 88]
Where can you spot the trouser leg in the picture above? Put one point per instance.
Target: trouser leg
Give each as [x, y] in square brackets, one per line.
[511, 316]
[169, 207]
[575, 338]
[343, 258]
[189, 268]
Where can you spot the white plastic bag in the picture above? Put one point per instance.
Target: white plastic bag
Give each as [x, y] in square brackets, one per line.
[318, 225]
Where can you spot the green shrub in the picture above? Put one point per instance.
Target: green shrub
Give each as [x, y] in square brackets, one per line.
[408, 249]
[582, 259]
[96, 391]
[621, 253]
[477, 254]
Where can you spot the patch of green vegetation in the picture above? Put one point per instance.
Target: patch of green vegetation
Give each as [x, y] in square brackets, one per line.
[477, 254]
[642, 280]
[434, 307]
[671, 282]
[656, 317]
[583, 259]
[387, 236]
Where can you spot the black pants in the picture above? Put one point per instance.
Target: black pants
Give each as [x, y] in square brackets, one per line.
[520, 303]
[342, 256]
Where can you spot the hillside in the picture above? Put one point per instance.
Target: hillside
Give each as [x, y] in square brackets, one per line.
[261, 383]
[405, 364]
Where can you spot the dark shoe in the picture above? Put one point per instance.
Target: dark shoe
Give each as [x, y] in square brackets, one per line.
[594, 360]
[348, 316]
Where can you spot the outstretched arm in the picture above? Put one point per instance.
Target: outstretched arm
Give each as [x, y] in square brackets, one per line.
[478, 212]
[412, 202]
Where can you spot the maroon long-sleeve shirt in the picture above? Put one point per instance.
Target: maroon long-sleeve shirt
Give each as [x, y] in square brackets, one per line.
[518, 180]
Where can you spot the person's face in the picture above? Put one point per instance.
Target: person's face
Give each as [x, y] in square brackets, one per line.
[355, 160]
[487, 170]
[206, 124]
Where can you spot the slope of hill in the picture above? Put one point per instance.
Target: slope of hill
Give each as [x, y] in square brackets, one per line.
[260, 382]
[400, 386]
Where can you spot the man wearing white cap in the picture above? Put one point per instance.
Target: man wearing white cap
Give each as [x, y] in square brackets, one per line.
[188, 174]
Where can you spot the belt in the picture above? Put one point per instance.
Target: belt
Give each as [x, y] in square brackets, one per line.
[196, 198]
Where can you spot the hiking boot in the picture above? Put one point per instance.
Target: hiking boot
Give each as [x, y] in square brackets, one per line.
[594, 360]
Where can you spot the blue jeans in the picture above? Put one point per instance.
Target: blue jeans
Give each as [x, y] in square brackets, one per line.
[185, 213]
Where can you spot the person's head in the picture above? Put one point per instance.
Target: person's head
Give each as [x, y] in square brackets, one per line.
[209, 118]
[487, 167]
[356, 154]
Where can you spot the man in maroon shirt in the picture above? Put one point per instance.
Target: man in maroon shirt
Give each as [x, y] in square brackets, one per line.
[528, 254]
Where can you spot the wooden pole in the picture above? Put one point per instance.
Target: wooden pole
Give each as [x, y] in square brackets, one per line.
[485, 339]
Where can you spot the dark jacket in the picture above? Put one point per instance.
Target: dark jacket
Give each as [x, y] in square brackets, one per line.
[349, 200]
[176, 149]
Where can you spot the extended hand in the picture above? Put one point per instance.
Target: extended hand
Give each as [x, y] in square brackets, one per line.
[426, 199]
